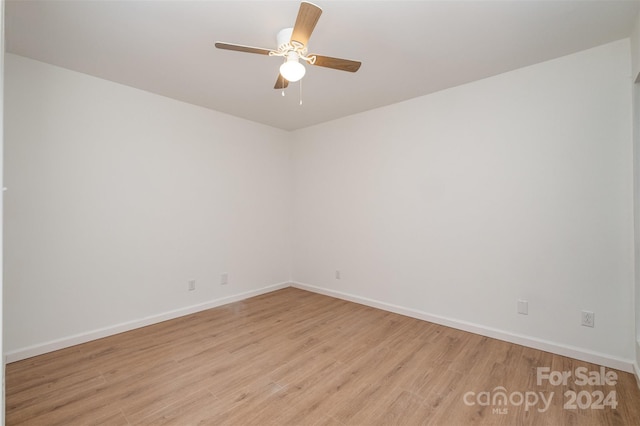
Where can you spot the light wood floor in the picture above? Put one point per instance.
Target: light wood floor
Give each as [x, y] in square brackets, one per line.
[296, 358]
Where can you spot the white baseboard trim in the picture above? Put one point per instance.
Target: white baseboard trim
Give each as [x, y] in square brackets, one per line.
[77, 339]
[636, 364]
[544, 345]
[531, 342]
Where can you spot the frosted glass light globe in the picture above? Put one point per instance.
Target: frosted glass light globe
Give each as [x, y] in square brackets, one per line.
[292, 70]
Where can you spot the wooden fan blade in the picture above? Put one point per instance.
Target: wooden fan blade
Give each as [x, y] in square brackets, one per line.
[241, 48]
[281, 82]
[306, 21]
[337, 63]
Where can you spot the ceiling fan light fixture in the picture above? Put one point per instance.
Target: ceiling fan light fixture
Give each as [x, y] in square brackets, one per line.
[292, 69]
[293, 45]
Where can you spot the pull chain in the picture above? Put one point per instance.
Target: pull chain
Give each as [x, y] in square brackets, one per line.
[300, 92]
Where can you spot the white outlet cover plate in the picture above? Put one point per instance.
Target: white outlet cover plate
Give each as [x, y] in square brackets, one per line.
[588, 319]
[523, 307]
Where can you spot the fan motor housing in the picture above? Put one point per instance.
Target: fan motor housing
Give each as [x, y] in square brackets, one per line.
[284, 38]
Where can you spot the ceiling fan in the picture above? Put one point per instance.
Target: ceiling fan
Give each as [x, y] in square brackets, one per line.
[292, 46]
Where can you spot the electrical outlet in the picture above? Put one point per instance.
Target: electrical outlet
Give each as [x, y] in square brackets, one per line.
[192, 285]
[337, 274]
[588, 318]
[523, 307]
[224, 279]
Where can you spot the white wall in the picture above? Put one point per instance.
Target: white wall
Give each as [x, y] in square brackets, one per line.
[635, 76]
[451, 205]
[456, 204]
[636, 198]
[2, 406]
[117, 197]
[635, 48]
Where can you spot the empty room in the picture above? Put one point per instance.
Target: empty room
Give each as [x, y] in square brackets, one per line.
[328, 213]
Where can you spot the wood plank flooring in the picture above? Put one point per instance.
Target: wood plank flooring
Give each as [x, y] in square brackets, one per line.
[297, 358]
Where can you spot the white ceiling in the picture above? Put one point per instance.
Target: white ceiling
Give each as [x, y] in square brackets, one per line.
[408, 48]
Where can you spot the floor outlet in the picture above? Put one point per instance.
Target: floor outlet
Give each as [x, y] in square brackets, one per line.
[192, 285]
[588, 318]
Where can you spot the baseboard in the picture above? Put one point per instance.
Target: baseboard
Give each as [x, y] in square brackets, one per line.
[547, 346]
[532, 342]
[77, 339]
